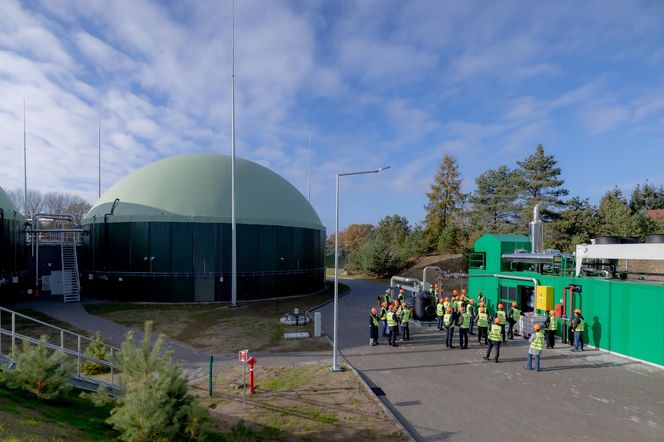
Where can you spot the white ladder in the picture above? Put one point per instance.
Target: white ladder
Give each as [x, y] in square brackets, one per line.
[70, 283]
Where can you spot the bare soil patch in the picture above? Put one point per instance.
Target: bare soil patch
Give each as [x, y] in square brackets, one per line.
[297, 403]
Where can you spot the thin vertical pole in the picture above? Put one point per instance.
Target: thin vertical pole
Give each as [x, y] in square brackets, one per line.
[13, 335]
[309, 178]
[210, 377]
[335, 365]
[99, 155]
[25, 167]
[78, 356]
[233, 214]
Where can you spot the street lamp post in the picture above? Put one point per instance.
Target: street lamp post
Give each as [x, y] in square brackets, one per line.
[335, 363]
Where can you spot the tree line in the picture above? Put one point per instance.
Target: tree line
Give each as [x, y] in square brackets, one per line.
[502, 202]
[64, 203]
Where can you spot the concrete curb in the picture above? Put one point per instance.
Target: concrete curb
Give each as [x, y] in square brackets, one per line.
[407, 429]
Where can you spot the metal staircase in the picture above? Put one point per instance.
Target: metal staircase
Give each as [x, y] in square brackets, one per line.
[70, 281]
[16, 328]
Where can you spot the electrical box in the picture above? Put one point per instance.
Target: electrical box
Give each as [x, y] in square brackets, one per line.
[544, 297]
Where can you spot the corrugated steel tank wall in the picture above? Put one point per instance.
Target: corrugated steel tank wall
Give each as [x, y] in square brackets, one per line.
[12, 241]
[192, 261]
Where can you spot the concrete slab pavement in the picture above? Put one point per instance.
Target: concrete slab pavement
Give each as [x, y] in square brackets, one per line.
[452, 394]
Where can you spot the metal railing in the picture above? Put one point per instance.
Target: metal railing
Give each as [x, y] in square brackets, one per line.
[78, 352]
[203, 275]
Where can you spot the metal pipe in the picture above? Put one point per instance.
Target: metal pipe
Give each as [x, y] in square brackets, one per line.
[536, 210]
[403, 279]
[517, 278]
[424, 275]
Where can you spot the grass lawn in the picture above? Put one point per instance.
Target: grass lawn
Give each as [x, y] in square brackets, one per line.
[298, 403]
[219, 328]
[25, 418]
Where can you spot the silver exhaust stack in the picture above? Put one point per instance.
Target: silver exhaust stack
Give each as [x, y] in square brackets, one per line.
[536, 229]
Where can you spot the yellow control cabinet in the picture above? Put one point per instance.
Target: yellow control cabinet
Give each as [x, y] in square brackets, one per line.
[544, 297]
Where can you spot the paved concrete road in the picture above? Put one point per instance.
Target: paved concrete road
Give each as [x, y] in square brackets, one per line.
[442, 394]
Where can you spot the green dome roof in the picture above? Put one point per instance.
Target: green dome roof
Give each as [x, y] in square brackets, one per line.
[197, 188]
[8, 206]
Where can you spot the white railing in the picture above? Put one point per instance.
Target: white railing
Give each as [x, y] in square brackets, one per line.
[78, 352]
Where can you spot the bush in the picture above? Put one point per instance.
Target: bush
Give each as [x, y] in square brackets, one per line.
[155, 405]
[450, 239]
[97, 350]
[40, 371]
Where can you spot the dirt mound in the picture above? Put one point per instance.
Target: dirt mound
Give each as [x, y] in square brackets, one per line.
[447, 262]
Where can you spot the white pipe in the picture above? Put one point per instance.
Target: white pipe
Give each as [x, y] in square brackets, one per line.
[517, 278]
[403, 279]
[424, 275]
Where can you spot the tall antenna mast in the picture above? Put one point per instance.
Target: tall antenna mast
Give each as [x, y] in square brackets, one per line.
[309, 179]
[99, 155]
[233, 219]
[25, 167]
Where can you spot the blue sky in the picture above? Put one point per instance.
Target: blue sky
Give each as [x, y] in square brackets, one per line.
[376, 82]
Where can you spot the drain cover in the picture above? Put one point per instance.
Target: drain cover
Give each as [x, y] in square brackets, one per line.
[378, 391]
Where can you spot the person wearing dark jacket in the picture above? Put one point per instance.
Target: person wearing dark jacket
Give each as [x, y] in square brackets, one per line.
[513, 318]
[373, 326]
[448, 323]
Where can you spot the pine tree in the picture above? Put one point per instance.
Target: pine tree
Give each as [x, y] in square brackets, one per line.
[539, 180]
[40, 371]
[445, 199]
[616, 218]
[576, 224]
[646, 197]
[155, 405]
[97, 350]
[494, 201]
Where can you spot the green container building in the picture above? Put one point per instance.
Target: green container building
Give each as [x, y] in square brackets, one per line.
[163, 233]
[622, 316]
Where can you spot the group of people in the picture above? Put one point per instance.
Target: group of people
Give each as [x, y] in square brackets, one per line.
[394, 314]
[459, 311]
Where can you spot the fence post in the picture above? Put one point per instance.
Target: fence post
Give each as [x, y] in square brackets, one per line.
[13, 335]
[62, 339]
[112, 365]
[78, 356]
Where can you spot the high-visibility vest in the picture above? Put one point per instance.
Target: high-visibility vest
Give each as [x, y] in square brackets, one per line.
[405, 317]
[501, 315]
[445, 305]
[494, 333]
[374, 320]
[383, 313]
[553, 323]
[538, 342]
[516, 314]
[391, 320]
[399, 311]
[388, 299]
[466, 320]
[440, 309]
[581, 326]
[447, 318]
[483, 320]
[471, 309]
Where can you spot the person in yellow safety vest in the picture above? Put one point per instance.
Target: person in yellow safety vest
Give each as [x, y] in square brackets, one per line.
[373, 327]
[383, 317]
[464, 325]
[480, 297]
[448, 323]
[482, 325]
[392, 325]
[435, 289]
[464, 297]
[401, 298]
[513, 317]
[579, 326]
[550, 327]
[494, 339]
[536, 347]
[406, 313]
[440, 312]
[500, 314]
[470, 308]
[388, 296]
[396, 306]
[446, 304]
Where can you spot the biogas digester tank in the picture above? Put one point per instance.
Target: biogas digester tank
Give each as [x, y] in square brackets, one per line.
[423, 307]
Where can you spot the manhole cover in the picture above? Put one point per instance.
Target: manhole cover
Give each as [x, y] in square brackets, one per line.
[378, 391]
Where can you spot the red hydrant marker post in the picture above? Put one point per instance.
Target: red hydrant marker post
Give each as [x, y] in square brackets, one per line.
[251, 361]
